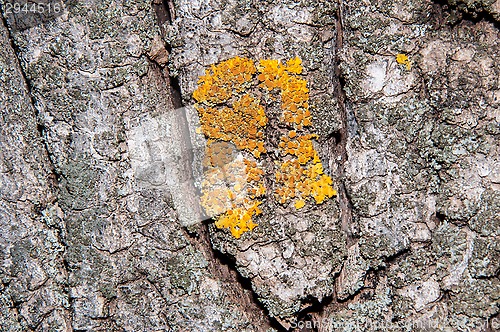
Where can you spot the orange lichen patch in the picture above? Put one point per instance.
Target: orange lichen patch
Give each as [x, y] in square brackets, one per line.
[301, 176]
[299, 204]
[221, 81]
[301, 147]
[294, 66]
[322, 189]
[230, 193]
[293, 89]
[253, 172]
[242, 124]
[274, 74]
[228, 113]
[217, 202]
[299, 182]
[294, 94]
[239, 220]
[270, 73]
[233, 121]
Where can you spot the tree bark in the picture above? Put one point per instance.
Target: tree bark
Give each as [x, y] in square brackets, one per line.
[100, 220]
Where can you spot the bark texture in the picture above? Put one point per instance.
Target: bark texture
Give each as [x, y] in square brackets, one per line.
[98, 211]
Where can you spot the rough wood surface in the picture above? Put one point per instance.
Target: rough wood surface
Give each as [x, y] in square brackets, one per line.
[100, 228]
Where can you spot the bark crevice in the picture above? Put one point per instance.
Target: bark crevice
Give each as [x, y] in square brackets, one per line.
[341, 136]
[454, 13]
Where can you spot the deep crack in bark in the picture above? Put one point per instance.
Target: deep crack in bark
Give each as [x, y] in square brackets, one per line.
[345, 204]
[458, 12]
[220, 265]
[316, 312]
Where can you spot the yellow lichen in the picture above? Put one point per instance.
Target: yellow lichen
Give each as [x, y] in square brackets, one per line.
[238, 220]
[231, 113]
[299, 204]
[293, 89]
[240, 124]
[301, 175]
[403, 59]
[222, 80]
[230, 193]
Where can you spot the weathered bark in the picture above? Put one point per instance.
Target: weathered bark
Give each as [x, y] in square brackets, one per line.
[98, 210]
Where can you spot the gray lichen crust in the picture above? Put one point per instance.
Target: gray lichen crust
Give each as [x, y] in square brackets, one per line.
[423, 165]
[32, 275]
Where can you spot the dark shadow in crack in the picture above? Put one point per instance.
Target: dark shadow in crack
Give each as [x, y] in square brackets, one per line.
[454, 14]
